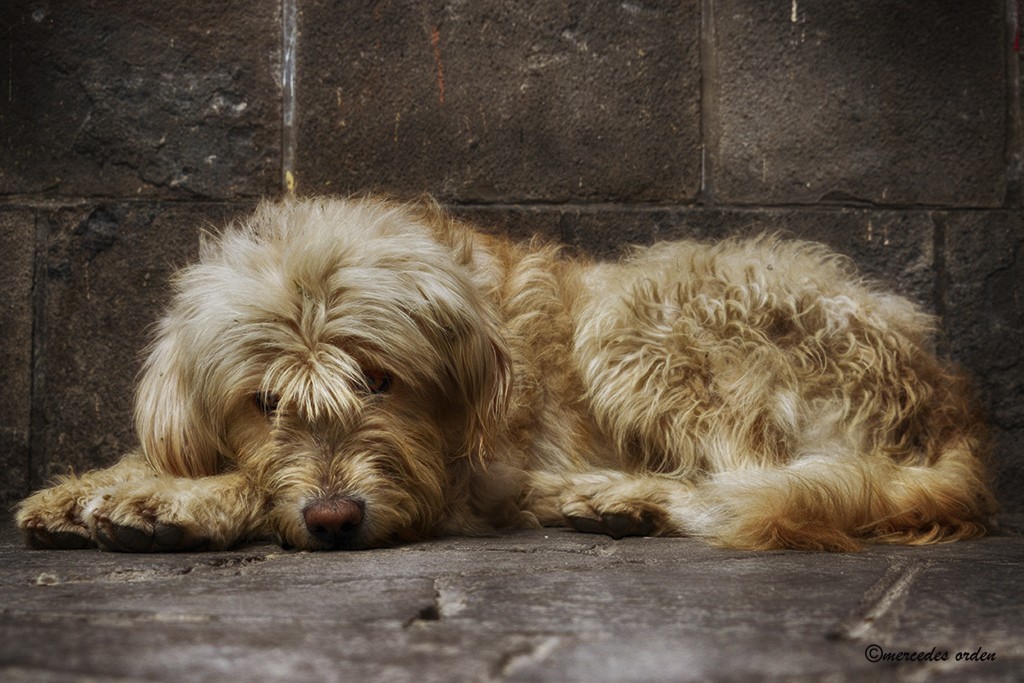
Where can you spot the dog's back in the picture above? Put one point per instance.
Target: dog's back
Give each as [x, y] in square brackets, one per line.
[758, 393]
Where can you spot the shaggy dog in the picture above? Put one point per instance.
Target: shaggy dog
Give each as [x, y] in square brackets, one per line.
[356, 373]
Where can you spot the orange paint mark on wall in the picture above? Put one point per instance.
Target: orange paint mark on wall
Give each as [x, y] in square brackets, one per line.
[435, 43]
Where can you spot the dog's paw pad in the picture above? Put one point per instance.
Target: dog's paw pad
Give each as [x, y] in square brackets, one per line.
[174, 538]
[42, 539]
[617, 525]
[122, 538]
[168, 535]
[159, 537]
[586, 525]
[625, 525]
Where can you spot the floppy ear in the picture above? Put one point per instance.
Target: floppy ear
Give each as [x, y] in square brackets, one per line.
[479, 370]
[485, 378]
[177, 437]
[478, 358]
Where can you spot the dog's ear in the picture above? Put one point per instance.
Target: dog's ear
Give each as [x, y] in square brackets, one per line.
[177, 436]
[479, 358]
[485, 376]
[477, 371]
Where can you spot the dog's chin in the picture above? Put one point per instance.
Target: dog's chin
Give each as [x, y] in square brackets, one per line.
[305, 542]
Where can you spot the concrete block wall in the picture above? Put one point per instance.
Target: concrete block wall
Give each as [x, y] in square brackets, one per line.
[889, 129]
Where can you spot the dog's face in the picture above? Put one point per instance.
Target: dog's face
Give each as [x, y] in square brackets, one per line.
[337, 354]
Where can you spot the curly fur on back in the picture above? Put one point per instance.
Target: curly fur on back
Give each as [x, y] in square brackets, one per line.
[755, 393]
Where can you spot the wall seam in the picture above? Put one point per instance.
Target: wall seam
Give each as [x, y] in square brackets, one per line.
[708, 118]
[1014, 163]
[289, 38]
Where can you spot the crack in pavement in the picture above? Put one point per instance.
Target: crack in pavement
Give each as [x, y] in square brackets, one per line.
[525, 655]
[881, 598]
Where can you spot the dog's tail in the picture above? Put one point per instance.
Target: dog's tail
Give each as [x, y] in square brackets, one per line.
[829, 503]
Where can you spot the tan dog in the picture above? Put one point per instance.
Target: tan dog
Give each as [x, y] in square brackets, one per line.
[356, 373]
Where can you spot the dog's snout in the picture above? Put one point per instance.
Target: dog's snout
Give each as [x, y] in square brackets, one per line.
[334, 521]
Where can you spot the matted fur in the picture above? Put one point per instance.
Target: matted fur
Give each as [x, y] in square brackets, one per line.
[757, 394]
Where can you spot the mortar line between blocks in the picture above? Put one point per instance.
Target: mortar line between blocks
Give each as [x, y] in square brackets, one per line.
[1014, 133]
[708, 111]
[289, 37]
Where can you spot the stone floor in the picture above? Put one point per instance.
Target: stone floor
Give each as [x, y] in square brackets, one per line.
[548, 605]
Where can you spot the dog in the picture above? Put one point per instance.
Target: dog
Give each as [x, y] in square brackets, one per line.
[356, 373]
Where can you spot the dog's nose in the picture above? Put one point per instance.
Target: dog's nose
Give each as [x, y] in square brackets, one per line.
[334, 521]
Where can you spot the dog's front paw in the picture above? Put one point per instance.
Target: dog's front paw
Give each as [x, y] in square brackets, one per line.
[607, 510]
[141, 521]
[627, 522]
[52, 519]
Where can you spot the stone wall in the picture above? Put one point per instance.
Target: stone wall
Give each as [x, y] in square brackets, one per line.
[889, 129]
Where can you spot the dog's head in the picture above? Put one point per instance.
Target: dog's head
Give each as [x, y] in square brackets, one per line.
[338, 354]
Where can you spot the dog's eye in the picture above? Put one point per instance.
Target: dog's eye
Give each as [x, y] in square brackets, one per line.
[377, 381]
[267, 402]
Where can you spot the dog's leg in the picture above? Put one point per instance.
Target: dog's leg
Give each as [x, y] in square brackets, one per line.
[175, 513]
[608, 502]
[814, 503]
[53, 517]
[130, 507]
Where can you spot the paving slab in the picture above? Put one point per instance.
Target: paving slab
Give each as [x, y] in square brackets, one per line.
[526, 606]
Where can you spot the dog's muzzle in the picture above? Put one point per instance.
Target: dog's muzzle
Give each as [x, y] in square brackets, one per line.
[334, 521]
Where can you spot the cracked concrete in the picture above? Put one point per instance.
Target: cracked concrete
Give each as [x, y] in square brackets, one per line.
[527, 606]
